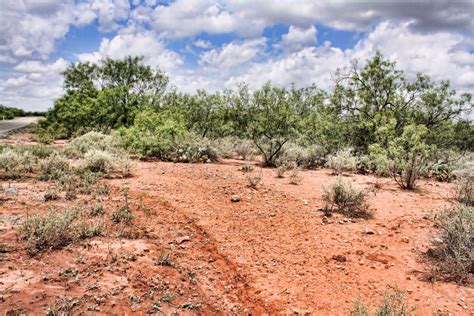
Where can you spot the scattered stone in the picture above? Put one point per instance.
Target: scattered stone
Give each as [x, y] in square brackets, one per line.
[180, 240]
[361, 262]
[339, 258]
[405, 239]
[10, 191]
[359, 252]
[325, 220]
[369, 231]
[235, 198]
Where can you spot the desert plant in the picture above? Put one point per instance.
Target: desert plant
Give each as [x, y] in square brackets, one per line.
[124, 213]
[464, 189]
[280, 171]
[393, 304]
[453, 251]
[343, 198]
[106, 163]
[294, 154]
[14, 164]
[55, 230]
[54, 167]
[295, 177]
[253, 179]
[342, 161]
[93, 140]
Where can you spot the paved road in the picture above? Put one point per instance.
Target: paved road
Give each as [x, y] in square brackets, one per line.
[19, 122]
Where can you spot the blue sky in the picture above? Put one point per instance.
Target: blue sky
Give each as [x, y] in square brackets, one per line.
[215, 44]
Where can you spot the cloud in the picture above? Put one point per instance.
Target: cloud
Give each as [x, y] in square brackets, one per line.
[232, 54]
[143, 44]
[297, 38]
[183, 18]
[202, 44]
[34, 85]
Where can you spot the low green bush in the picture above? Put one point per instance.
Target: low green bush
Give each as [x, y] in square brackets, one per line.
[54, 167]
[93, 141]
[106, 163]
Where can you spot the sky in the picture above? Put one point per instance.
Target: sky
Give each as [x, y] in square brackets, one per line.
[216, 44]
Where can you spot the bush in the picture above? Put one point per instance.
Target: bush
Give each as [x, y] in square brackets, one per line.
[295, 177]
[230, 147]
[343, 198]
[54, 167]
[301, 156]
[453, 251]
[106, 163]
[56, 230]
[192, 149]
[465, 190]
[93, 140]
[393, 304]
[342, 161]
[14, 164]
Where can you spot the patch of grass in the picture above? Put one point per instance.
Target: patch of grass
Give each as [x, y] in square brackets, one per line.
[341, 197]
[14, 164]
[93, 141]
[452, 254]
[56, 230]
[295, 177]
[106, 163]
[393, 304]
[124, 213]
[165, 260]
[342, 161]
[54, 167]
[464, 190]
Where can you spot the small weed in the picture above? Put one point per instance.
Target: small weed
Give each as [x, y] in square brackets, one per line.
[246, 168]
[165, 260]
[343, 198]
[51, 196]
[280, 171]
[295, 177]
[124, 213]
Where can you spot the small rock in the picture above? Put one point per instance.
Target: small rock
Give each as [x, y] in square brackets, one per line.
[182, 239]
[235, 198]
[10, 191]
[369, 231]
[361, 262]
[405, 239]
[339, 258]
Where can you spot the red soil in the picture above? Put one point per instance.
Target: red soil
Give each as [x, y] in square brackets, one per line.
[268, 253]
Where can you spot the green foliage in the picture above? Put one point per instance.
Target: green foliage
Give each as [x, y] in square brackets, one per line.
[274, 121]
[343, 198]
[79, 146]
[393, 304]
[54, 167]
[106, 163]
[104, 96]
[453, 251]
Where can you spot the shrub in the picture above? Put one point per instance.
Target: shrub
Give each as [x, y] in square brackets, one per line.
[301, 156]
[13, 164]
[192, 149]
[280, 171]
[56, 230]
[453, 252]
[342, 161]
[54, 167]
[105, 162]
[229, 147]
[343, 198]
[465, 190]
[124, 213]
[295, 177]
[93, 140]
[393, 304]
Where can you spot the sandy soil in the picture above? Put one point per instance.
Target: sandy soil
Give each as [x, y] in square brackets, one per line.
[192, 250]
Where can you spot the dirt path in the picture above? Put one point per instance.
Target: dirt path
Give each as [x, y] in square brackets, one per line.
[276, 238]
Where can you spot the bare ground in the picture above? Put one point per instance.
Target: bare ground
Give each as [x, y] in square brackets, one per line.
[192, 250]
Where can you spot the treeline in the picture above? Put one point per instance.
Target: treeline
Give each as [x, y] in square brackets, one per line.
[373, 112]
[8, 113]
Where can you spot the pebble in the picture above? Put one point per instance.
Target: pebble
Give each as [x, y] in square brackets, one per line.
[235, 198]
[182, 239]
[405, 239]
[369, 231]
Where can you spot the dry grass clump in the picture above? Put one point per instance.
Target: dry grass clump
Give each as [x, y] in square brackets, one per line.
[393, 304]
[14, 164]
[106, 163]
[464, 190]
[342, 161]
[93, 140]
[56, 230]
[341, 197]
[453, 251]
[54, 167]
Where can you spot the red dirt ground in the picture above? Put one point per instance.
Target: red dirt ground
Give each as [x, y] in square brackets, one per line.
[270, 253]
